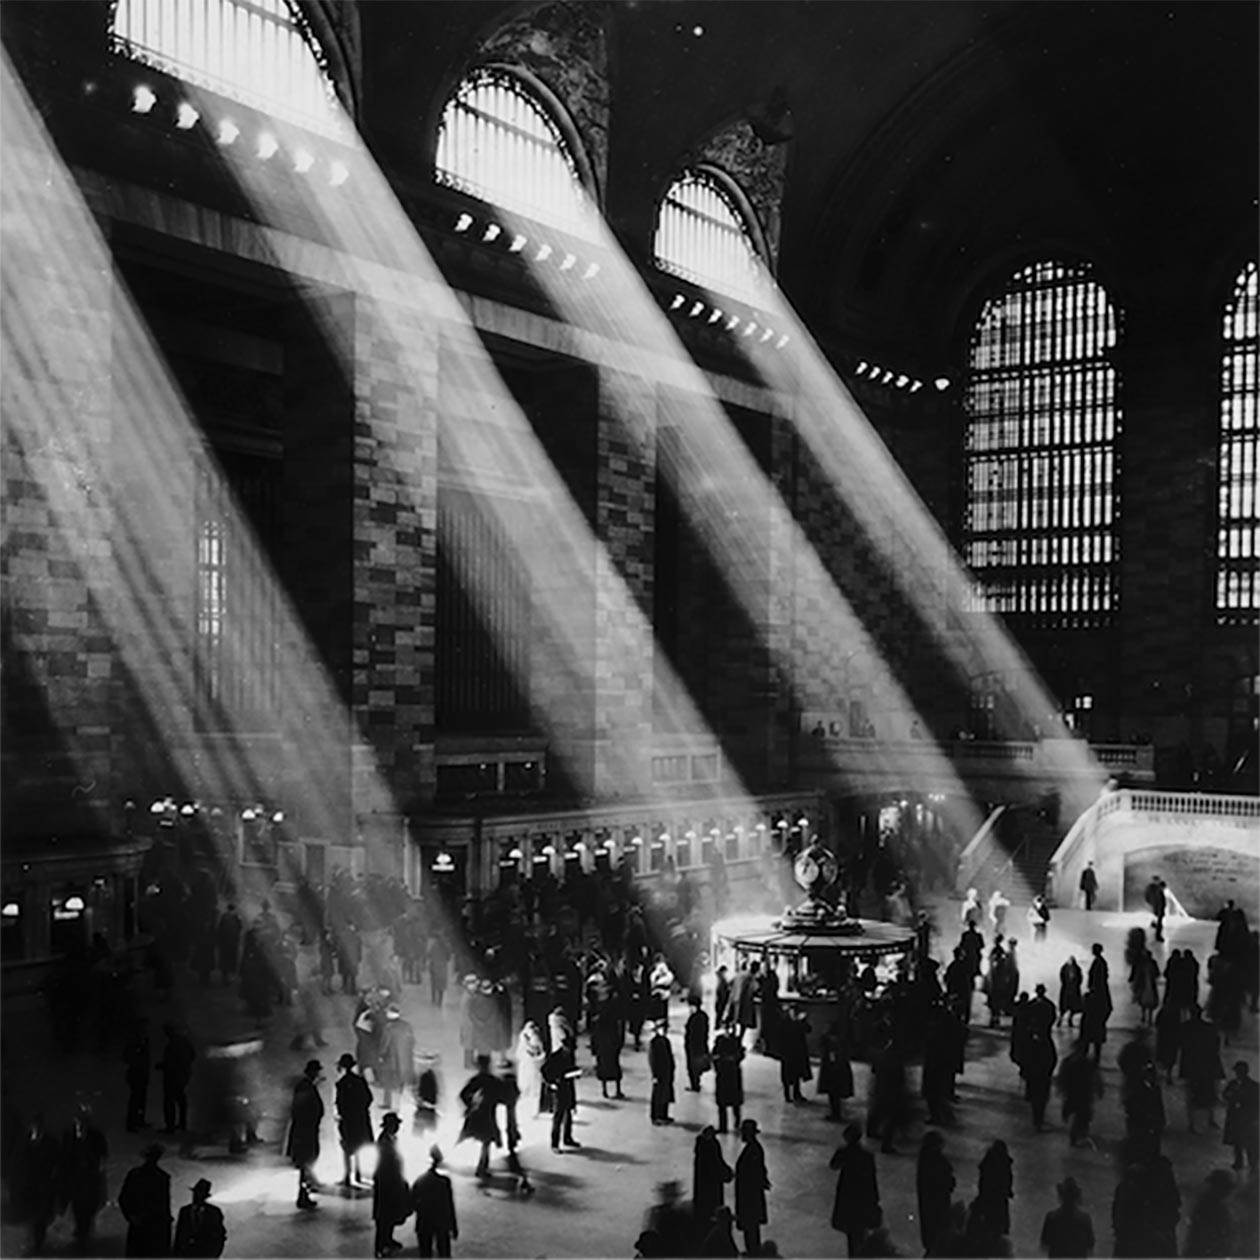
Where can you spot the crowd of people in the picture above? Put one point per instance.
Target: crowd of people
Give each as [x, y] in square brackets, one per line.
[550, 972]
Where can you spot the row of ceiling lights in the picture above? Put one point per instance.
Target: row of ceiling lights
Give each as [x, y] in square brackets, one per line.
[731, 322]
[165, 807]
[518, 243]
[144, 100]
[897, 380]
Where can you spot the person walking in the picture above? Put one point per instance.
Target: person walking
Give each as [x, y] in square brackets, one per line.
[1071, 985]
[720, 1238]
[145, 1202]
[353, 1098]
[396, 1055]
[1080, 1085]
[200, 1229]
[1242, 1118]
[835, 1072]
[728, 1072]
[793, 1046]
[661, 1066]
[480, 1097]
[1201, 1067]
[1037, 1067]
[607, 1038]
[1157, 899]
[1089, 885]
[560, 1073]
[178, 1056]
[1144, 981]
[856, 1208]
[751, 1184]
[433, 1201]
[1211, 1228]
[1039, 918]
[228, 942]
[84, 1153]
[136, 1057]
[710, 1175]
[391, 1203]
[934, 1187]
[302, 1146]
[721, 997]
[1068, 1230]
[1094, 1016]
[696, 1043]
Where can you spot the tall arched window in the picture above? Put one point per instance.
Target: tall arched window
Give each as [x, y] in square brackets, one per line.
[703, 236]
[1043, 417]
[1238, 527]
[259, 52]
[498, 142]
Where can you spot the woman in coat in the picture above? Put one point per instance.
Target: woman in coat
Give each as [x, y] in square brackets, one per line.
[993, 1195]
[1071, 995]
[530, 1053]
[835, 1072]
[354, 1116]
[710, 1173]
[391, 1196]
[751, 1184]
[607, 1038]
[856, 1209]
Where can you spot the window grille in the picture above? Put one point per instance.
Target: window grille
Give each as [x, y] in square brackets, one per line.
[1238, 529]
[1044, 417]
[258, 52]
[702, 236]
[497, 143]
[238, 604]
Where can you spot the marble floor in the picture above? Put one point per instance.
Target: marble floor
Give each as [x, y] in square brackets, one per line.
[591, 1202]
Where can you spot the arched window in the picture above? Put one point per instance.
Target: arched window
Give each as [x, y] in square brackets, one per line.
[497, 142]
[702, 235]
[1238, 527]
[1043, 418]
[259, 52]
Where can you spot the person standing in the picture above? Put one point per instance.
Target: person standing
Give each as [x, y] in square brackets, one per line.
[480, 1097]
[199, 1228]
[728, 1074]
[305, 1116]
[1068, 1231]
[1040, 1059]
[835, 1072]
[710, 1173]
[37, 1184]
[1089, 885]
[433, 1201]
[396, 1055]
[1242, 1118]
[934, 1187]
[1157, 899]
[1144, 981]
[744, 998]
[439, 968]
[721, 997]
[176, 1067]
[84, 1152]
[391, 1204]
[145, 1202]
[751, 1184]
[1039, 918]
[696, 1044]
[1080, 1084]
[661, 1066]
[1071, 984]
[136, 1057]
[1201, 1066]
[856, 1208]
[794, 1065]
[1094, 1016]
[608, 1037]
[228, 942]
[353, 1099]
[560, 1073]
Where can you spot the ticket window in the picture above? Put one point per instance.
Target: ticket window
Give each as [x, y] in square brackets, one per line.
[13, 927]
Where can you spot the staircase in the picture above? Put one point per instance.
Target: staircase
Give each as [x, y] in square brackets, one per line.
[1030, 841]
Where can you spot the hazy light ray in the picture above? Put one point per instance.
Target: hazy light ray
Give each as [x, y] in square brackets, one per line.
[726, 503]
[916, 553]
[52, 246]
[384, 261]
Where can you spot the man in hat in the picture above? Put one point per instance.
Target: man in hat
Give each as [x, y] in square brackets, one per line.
[480, 1097]
[145, 1202]
[661, 1065]
[1068, 1229]
[560, 1071]
[671, 1220]
[305, 1117]
[391, 1203]
[433, 1200]
[353, 1097]
[396, 1061]
[199, 1229]
[751, 1184]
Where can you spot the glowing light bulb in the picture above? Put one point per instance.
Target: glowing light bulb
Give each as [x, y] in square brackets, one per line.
[567, 263]
[228, 131]
[778, 345]
[765, 336]
[338, 173]
[303, 160]
[715, 315]
[544, 252]
[143, 99]
[186, 117]
[492, 232]
[267, 146]
[463, 223]
[677, 301]
[902, 381]
[592, 270]
[696, 308]
[941, 383]
[518, 243]
[915, 386]
[861, 367]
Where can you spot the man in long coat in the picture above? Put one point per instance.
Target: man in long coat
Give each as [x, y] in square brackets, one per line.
[354, 1116]
[856, 1208]
[696, 1044]
[710, 1173]
[934, 1186]
[661, 1066]
[480, 1097]
[391, 1201]
[84, 1152]
[199, 1229]
[560, 1071]
[433, 1200]
[751, 1184]
[794, 1065]
[396, 1061]
[145, 1201]
[721, 997]
[728, 1089]
[305, 1117]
